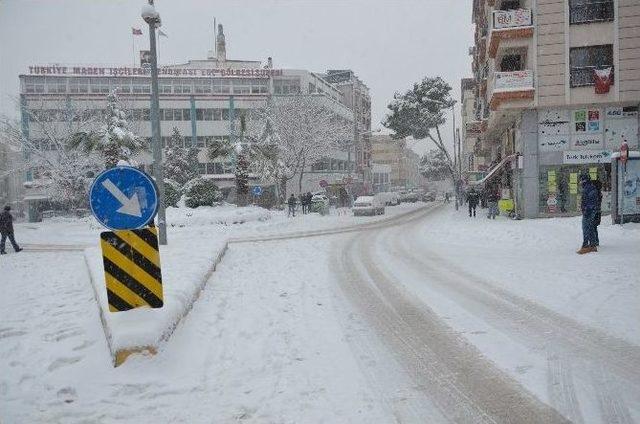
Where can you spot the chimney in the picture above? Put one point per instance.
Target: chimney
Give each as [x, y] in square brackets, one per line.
[221, 47]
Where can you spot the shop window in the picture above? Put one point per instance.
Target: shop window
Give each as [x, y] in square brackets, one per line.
[587, 11]
[585, 60]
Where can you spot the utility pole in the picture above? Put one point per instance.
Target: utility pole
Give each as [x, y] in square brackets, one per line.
[152, 17]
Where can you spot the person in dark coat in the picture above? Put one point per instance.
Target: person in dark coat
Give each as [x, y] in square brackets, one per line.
[308, 197]
[492, 199]
[473, 197]
[589, 207]
[6, 230]
[292, 205]
[598, 185]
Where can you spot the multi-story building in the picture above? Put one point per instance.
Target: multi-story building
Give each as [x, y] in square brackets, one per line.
[356, 96]
[203, 99]
[10, 177]
[404, 162]
[557, 88]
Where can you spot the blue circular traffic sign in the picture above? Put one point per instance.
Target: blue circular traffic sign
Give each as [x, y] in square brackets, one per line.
[123, 198]
[257, 191]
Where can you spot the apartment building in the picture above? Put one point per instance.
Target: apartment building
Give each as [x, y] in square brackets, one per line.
[404, 162]
[202, 98]
[557, 89]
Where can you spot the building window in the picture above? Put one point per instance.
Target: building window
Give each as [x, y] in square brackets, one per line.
[122, 85]
[584, 60]
[241, 86]
[182, 86]
[287, 86]
[221, 86]
[34, 85]
[586, 11]
[99, 85]
[202, 86]
[56, 85]
[510, 5]
[164, 87]
[141, 86]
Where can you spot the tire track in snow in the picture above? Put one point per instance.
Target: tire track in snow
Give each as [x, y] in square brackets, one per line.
[466, 386]
[535, 326]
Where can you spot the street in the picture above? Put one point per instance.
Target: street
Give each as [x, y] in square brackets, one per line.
[363, 326]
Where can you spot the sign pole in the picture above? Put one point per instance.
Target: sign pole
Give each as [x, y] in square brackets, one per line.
[155, 133]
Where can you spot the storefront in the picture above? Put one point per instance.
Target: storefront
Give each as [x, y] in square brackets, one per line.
[576, 141]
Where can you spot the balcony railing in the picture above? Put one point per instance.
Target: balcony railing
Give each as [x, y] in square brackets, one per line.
[584, 76]
[504, 19]
[601, 11]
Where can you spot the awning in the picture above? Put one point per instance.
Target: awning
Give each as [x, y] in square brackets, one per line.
[495, 170]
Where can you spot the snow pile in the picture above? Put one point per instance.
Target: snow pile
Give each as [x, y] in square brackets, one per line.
[215, 215]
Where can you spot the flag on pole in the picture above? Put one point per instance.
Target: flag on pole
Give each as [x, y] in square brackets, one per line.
[136, 31]
[162, 34]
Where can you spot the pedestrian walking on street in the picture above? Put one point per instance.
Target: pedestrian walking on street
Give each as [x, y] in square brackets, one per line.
[6, 231]
[308, 197]
[492, 202]
[589, 207]
[446, 197]
[598, 185]
[472, 199]
[292, 205]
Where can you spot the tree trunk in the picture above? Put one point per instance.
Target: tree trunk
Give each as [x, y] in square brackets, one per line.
[301, 175]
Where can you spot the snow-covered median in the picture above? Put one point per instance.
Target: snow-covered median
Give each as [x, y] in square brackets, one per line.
[198, 239]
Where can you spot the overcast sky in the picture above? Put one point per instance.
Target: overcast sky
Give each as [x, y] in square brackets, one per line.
[388, 43]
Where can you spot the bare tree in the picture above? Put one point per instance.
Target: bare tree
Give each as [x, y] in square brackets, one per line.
[65, 172]
[297, 131]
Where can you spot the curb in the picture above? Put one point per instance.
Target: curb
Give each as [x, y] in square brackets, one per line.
[119, 356]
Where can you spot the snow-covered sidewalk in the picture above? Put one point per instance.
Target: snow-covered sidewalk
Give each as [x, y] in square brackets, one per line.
[537, 259]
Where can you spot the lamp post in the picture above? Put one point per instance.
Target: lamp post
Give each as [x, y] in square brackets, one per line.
[152, 17]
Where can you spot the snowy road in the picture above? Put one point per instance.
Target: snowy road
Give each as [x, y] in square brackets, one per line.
[372, 326]
[459, 338]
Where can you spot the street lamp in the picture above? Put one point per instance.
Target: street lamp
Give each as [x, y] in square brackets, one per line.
[152, 17]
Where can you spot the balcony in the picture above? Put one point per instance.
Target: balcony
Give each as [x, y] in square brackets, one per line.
[510, 86]
[475, 128]
[507, 25]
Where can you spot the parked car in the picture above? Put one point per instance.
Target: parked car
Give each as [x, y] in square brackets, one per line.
[368, 205]
[390, 198]
[429, 196]
[408, 197]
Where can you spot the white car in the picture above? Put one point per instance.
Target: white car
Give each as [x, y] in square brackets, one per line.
[368, 205]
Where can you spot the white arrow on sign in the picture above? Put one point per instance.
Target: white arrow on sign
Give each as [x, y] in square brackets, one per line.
[130, 206]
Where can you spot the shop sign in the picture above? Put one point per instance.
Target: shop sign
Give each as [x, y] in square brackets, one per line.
[621, 112]
[553, 143]
[165, 71]
[514, 79]
[576, 157]
[554, 122]
[586, 121]
[587, 141]
[511, 18]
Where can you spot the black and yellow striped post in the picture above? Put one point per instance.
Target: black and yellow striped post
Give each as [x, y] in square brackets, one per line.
[132, 269]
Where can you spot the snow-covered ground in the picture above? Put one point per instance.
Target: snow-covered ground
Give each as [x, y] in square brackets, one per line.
[285, 331]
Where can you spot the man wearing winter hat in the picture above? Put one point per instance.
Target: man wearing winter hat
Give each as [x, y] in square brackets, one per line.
[6, 230]
[589, 207]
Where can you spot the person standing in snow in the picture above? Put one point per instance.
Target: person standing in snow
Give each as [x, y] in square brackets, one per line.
[598, 185]
[292, 205]
[309, 197]
[589, 207]
[472, 200]
[492, 201]
[6, 230]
